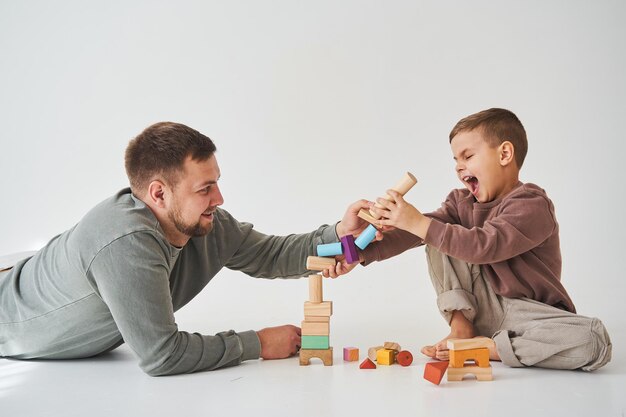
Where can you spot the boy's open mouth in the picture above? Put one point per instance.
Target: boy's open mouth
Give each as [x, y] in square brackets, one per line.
[472, 183]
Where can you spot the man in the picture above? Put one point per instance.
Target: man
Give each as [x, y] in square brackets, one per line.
[120, 273]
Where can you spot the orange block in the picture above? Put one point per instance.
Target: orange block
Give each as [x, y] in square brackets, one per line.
[404, 358]
[434, 371]
[480, 356]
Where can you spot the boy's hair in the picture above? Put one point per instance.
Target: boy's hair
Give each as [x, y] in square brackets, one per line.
[497, 125]
[161, 149]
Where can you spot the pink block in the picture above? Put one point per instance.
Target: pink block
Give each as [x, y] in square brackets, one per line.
[349, 249]
[350, 354]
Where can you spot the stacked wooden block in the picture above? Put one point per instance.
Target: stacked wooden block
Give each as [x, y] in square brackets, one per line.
[316, 325]
[476, 350]
[461, 351]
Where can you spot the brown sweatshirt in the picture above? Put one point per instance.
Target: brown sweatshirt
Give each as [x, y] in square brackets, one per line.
[514, 239]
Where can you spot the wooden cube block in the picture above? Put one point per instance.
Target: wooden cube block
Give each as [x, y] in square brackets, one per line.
[385, 357]
[349, 249]
[315, 342]
[350, 354]
[315, 263]
[326, 355]
[480, 356]
[434, 371]
[311, 328]
[482, 374]
[367, 364]
[325, 308]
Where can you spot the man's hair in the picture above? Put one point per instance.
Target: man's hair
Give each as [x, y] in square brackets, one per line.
[160, 151]
[497, 126]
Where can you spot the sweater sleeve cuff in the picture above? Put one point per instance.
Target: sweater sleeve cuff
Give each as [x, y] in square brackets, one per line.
[250, 345]
[329, 234]
[436, 231]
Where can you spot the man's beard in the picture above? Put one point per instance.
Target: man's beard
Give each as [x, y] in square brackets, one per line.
[191, 230]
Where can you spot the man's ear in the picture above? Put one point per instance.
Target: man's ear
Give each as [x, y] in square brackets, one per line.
[507, 153]
[156, 193]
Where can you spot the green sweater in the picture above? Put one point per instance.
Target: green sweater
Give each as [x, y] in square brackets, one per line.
[114, 278]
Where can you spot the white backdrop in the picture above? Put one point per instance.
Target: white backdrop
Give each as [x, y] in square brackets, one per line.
[313, 105]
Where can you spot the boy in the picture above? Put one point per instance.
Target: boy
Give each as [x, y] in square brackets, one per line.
[494, 255]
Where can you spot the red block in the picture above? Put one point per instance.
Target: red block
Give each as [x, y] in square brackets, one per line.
[367, 364]
[434, 371]
[349, 249]
[404, 358]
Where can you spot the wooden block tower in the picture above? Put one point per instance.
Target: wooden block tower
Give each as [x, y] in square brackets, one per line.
[316, 324]
[477, 350]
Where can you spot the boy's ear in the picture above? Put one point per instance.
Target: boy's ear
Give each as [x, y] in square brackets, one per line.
[507, 152]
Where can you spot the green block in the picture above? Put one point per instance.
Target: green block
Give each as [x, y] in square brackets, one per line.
[315, 342]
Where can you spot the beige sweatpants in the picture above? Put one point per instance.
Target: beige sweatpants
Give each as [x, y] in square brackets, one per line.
[526, 332]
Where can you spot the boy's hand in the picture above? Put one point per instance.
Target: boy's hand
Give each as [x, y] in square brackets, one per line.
[398, 213]
[351, 224]
[279, 342]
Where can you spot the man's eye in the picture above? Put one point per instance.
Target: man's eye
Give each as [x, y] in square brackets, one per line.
[205, 190]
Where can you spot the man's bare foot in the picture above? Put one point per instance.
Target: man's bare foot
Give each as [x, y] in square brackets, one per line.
[460, 328]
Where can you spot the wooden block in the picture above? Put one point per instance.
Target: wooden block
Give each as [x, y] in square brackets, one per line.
[404, 358]
[385, 357]
[473, 343]
[315, 263]
[392, 346]
[434, 371]
[482, 374]
[367, 364]
[403, 186]
[325, 308]
[317, 319]
[371, 352]
[326, 355]
[350, 354]
[315, 342]
[311, 328]
[349, 249]
[480, 356]
[366, 237]
[330, 249]
[315, 288]
[365, 215]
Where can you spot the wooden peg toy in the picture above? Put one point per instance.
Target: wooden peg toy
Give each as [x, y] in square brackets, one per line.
[402, 187]
[315, 289]
[316, 263]
[329, 249]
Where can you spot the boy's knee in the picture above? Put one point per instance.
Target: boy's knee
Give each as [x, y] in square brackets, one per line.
[600, 346]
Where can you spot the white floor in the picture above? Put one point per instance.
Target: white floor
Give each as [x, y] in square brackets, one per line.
[114, 385]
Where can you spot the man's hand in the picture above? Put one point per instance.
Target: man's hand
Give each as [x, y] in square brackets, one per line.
[342, 267]
[351, 224]
[279, 342]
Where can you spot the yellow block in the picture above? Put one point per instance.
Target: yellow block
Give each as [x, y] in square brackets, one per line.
[385, 356]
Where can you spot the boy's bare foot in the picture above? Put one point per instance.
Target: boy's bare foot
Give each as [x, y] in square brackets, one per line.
[460, 328]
